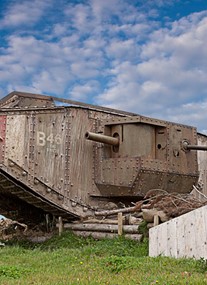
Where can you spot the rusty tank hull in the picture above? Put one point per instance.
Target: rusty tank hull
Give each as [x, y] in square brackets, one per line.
[71, 159]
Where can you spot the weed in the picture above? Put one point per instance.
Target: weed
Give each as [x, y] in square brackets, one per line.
[142, 229]
[12, 271]
[118, 247]
[116, 264]
[202, 264]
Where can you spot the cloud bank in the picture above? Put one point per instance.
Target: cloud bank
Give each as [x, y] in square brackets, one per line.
[112, 53]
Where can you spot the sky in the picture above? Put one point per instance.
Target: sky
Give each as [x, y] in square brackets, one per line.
[144, 56]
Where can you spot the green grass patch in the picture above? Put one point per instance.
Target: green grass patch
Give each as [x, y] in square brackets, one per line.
[72, 260]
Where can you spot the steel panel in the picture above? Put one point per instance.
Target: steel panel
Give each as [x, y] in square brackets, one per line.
[2, 137]
[171, 182]
[181, 161]
[81, 151]
[15, 138]
[119, 173]
[137, 140]
[49, 149]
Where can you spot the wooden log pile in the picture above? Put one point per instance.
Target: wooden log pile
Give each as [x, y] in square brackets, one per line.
[171, 204]
[159, 202]
[158, 206]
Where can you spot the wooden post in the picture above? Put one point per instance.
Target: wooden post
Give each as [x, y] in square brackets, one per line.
[47, 222]
[60, 225]
[156, 220]
[120, 224]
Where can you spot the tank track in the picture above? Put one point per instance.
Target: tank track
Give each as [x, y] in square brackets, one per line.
[21, 203]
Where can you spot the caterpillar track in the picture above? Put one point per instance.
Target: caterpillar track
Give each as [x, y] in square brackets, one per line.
[20, 203]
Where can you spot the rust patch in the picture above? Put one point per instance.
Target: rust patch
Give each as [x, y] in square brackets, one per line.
[2, 137]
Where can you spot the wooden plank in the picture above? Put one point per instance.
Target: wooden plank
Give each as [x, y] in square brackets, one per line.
[190, 234]
[180, 237]
[153, 241]
[202, 164]
[200, 247]
[162, 240]
[171, 249]
[204, 233]
[184, 236]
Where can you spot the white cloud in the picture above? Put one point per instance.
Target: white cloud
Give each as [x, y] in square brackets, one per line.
[172, 73]
[23, 88]
[123, 50]
[48, 81]
[100, 8]
[109, 52]
[24, 13]
[82, 92]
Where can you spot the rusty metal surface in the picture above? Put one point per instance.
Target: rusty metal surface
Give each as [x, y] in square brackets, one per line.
[170, 182]
[21, 100]
[15, 138]
[46, 161]
[137, 141]
[158, 148]
[41, 146]
[2, 137]
[135, 120]
[115, 176]
[49, 146]
[31, 100]
[81, 157]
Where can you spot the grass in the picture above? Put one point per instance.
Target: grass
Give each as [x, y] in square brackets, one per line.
[72, 260]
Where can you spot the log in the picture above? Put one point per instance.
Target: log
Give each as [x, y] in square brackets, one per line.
[116, 211]
[120, 224]
[134, 221]
[148, 215]
[128, 220]
[102, 221]
[132, 229]
[150, 225]
[103, 235]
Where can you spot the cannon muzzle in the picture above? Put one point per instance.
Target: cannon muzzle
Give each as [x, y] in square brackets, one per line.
[102, 138]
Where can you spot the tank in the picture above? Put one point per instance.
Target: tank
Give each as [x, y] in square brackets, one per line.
[69, 159]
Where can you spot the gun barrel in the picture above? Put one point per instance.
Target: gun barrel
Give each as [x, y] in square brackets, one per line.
[187, 146]
[102, 138]
[196, 147]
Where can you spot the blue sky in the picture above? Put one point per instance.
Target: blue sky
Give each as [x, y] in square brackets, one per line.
[144, 56]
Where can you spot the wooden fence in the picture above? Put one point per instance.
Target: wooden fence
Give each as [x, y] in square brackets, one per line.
[184, 236]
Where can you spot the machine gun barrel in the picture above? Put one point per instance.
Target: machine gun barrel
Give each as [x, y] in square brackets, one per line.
[102, 138]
